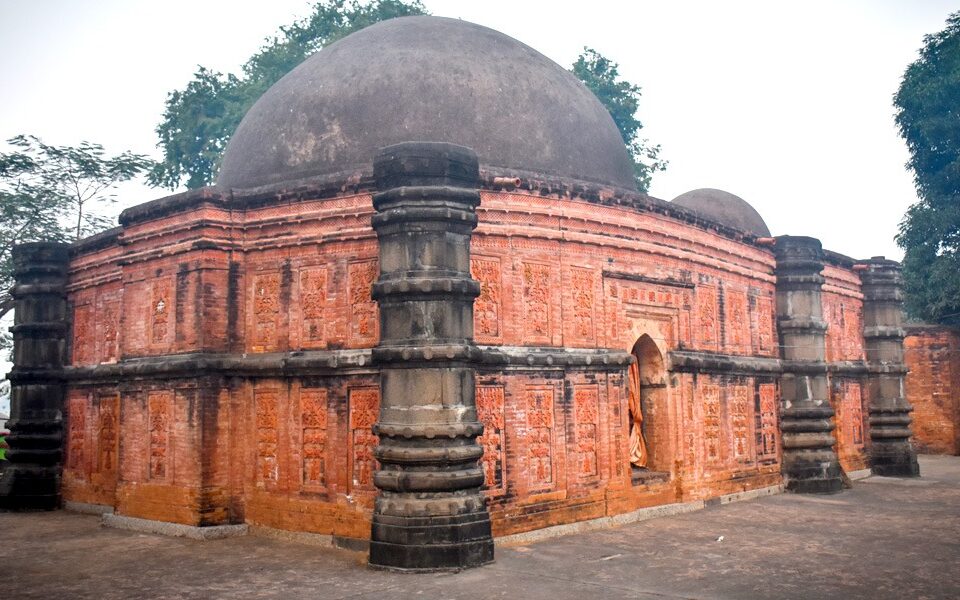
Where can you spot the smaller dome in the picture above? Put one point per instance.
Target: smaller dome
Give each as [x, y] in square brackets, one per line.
[724, 208]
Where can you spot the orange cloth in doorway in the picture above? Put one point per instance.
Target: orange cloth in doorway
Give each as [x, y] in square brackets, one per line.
[638, 449]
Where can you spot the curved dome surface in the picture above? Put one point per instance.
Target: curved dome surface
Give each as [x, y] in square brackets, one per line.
[426, 79]
[724, 208]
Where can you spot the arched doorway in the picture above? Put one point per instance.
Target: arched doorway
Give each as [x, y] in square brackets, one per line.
[648, 414]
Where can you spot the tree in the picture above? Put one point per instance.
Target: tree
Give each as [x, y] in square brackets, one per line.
[928, 118]
[199, 121]
[51, 192]
[621, 99]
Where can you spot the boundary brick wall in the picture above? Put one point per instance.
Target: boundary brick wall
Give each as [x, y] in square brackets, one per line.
[932, 354]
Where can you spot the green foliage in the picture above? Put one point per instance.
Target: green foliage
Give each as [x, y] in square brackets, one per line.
[50, 193]
[200, 119]
[621, 99]
[928, 117]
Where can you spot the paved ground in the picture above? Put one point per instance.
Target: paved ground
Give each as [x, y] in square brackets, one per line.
[886, 538]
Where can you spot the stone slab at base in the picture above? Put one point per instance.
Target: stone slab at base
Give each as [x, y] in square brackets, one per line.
[858, 475]
[312, 539]
[214, 532]
[87, 509]
[636, 516]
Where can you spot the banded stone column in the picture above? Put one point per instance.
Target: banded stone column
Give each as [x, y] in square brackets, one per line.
[31, 480]
[809, 461]
[430, 514]
[890, 451]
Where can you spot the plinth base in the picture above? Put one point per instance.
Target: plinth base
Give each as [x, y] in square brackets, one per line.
[813, 477]
[900, 460]
[424, 544]
[29, 488]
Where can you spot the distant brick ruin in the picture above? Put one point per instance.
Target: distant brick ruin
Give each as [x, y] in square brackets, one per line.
[407, 312]
[933, 357]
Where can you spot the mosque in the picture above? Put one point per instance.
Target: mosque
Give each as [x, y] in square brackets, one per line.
[424, 308]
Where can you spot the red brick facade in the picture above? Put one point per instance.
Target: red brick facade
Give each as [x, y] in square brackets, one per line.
[255, 287]
[933, 357]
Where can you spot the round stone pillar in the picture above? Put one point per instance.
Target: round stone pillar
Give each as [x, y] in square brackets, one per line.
[809, 461]
[430, 514]
[31, 480]
[890, 451]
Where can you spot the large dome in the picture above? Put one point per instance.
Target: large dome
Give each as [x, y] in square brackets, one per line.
[724, 208]
[426, 79]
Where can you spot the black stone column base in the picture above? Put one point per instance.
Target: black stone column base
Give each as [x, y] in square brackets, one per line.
[430, 544]
[810, 464]
[894, 460]
[813, 475]
[27, 488]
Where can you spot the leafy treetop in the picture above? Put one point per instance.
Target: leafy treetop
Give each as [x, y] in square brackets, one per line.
[621, 99]
[928, 118]
[199, 121]
[50, 193]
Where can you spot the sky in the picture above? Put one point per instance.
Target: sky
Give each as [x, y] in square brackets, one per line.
[785, 104]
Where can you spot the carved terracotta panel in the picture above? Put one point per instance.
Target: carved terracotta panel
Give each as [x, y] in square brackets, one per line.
[706, 323]
[159, 409]
[737, 323]
[586, 401]
[84, 340]
[266, 312]
[161, 311]
[536, 302]
[490, 411]
[740, 403]
[488, 307]
[582, 286]
[108, 432]
[313, 430]
[108, 325]
[364, 411]
[268, 437]
[539, 412]
[77, 432]
[712, 422]
[313, 304]
[363, 310]
[768, 431]
[765, 325]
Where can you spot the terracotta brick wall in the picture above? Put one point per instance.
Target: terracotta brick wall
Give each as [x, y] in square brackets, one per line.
[933, 388]
[842, 303]
[296, 452]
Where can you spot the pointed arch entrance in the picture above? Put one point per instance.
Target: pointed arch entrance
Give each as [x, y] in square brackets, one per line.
[648, 413]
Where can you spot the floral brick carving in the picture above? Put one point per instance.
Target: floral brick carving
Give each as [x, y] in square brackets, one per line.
[363, 309]
[536, 302]
[490, 412]
[268, 437]
[266, 311]
[364, 412]
[586, 401]
[539, 408]
[313, 424]
[159, 405]
[489, 305]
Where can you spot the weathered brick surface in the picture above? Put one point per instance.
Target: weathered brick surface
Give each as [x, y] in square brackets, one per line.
[933, 356]
[295, 452]
[842, 304]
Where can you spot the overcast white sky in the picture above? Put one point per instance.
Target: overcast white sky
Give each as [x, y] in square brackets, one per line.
[786, 104]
